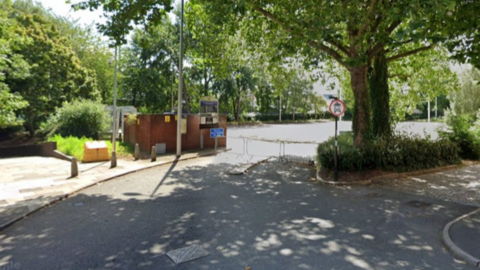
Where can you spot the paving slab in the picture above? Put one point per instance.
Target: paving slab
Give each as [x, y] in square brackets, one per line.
[30, 183]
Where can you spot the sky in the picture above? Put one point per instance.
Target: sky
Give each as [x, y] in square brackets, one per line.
[59, 7]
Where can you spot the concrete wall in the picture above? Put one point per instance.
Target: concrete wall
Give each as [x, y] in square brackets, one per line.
[155, 128]
[46, 149]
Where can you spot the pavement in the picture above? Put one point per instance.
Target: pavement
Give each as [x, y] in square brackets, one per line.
[28, 184]
[32, 183]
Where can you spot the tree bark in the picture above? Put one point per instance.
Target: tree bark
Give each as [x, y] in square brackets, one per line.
[380, 96]
[361, 112]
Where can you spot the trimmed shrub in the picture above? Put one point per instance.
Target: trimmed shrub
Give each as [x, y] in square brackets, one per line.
[81, 118]
[465, 132]
[399, 153]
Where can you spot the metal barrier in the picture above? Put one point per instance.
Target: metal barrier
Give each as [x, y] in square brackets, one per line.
[247, 143]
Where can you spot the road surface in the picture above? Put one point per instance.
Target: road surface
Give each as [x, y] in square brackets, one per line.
[273, 217]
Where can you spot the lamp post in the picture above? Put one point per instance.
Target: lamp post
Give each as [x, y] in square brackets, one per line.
[173, 81]
[180, 85]
[280, 108]
[113, 161]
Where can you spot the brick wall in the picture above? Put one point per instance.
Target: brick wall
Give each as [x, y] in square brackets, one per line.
[155, 128]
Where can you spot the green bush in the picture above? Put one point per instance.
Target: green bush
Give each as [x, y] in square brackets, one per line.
[81, 118]
[465, 132]
[398, 153]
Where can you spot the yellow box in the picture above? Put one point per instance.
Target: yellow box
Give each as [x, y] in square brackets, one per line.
[95, 151]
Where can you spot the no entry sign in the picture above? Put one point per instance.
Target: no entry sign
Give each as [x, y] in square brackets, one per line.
[337, 107]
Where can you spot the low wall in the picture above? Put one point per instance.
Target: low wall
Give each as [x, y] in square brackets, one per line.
[151, 129]
[46, 149]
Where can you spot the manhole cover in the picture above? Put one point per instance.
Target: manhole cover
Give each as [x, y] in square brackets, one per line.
[373, 195]
[187, 254]
[418, 204]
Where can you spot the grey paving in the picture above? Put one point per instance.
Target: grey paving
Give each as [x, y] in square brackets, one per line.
[30, 183]
[273, 217]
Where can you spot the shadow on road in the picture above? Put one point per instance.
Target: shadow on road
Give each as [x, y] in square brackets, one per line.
[275, 217]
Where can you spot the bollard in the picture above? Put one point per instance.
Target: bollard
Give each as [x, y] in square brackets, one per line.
[137, 152]
[113, 161]
[154, 154]
[74, 167]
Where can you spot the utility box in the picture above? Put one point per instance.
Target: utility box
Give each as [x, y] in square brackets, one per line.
[161, 148]
[95, 151]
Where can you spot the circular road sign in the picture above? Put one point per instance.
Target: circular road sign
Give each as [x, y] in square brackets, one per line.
[337, 107]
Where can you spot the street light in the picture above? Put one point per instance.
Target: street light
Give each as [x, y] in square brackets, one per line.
[180, 85]
[113, 161]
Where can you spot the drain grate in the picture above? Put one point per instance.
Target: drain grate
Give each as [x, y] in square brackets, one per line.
[418, 204]
[187, 254]
[373, 195]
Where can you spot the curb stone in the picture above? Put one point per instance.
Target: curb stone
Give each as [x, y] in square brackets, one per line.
[239, 170]
[388, 176]
[453, 247]
[57, 198]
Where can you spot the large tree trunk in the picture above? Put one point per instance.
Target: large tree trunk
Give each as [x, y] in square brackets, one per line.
[361, 112]
[380, 97]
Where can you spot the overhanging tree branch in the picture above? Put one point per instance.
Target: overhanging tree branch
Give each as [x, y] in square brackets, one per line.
[371, 53]
[366, 23]
[312, 43]
[405, 54]
[338, 46]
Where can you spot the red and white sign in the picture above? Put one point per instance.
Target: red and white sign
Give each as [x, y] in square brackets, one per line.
[337, 107]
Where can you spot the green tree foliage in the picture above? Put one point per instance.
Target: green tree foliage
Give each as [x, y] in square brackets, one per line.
[209, 44]
[412, 82]
[56, 74]
[122, 15]
[147, 71]
[463, 31]
[12, 65]
[93, 54]
[79, 118]
[235, 88]
[351, 33]
[467, 99]
[464, 130]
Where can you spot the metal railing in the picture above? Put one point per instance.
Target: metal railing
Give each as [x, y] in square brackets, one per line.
[244, 145]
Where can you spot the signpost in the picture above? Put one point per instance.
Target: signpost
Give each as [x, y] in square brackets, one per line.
[215, 133]
[336, 108]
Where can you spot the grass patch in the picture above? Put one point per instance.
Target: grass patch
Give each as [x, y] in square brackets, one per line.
[73, 146]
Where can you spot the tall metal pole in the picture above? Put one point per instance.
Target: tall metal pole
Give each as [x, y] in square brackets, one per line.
[428, 111]
[114, 131]
[180, 85]
[335, 158]
[280, 109]
[173, 78]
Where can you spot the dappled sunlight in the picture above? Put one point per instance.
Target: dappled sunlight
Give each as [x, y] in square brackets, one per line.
[358, 262]
[459, 185]
[266, 219]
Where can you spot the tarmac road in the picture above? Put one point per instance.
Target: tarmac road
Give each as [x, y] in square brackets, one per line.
[273, 217]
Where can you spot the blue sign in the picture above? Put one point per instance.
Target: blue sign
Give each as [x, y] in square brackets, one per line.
[216, 132]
